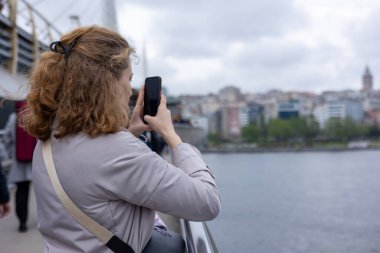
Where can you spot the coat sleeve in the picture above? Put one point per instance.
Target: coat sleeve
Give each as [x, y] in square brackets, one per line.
[185, 189]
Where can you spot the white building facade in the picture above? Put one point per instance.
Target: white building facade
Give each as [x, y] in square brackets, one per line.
[338, 110]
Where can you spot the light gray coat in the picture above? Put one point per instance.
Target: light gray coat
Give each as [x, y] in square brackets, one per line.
[119, 182]
[20, 171]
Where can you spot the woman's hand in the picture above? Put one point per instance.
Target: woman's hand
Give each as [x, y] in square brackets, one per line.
[137, 125]
[162, 123]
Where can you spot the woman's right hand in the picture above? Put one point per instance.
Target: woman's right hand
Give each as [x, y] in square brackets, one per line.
[162, 123]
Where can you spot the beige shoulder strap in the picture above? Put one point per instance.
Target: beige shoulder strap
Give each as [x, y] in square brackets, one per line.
[92, 226]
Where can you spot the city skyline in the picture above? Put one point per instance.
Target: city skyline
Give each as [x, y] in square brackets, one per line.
[230, 110]
[366, 71]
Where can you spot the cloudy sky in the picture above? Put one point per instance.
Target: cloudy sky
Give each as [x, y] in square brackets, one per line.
[200, 46]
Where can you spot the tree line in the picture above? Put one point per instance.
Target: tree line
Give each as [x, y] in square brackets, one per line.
[307, 130]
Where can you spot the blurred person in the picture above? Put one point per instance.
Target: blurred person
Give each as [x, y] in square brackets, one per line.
[4, 193]
[20, 146]
[79, 101]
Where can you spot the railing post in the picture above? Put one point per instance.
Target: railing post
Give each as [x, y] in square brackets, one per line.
[12, 61]
[48, 29]
[36, 44]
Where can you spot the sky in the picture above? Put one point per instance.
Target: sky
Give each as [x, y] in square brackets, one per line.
[201, 46]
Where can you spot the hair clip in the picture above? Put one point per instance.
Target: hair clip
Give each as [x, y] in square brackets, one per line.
[66, 50]
[54, 47]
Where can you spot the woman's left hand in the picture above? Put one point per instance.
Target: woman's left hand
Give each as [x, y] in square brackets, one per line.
[137, 125]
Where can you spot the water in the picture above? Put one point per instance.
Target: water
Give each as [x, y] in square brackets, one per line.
[298, 202]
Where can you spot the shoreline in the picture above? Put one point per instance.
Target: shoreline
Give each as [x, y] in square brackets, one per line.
[281, 150]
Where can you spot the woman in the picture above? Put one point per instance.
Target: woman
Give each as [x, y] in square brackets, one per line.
[21, 171]
[79, 99]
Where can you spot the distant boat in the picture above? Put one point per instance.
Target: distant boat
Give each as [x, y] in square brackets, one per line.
[358, 144]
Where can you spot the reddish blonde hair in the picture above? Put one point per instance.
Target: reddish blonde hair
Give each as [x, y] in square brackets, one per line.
[80, 93]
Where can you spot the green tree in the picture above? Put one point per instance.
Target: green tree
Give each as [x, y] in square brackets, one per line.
[215, 138]
[312, 129]
[251, 133]
[295, 129]
[345, 129]
[280, 130]
[373, 131]
[299, 128]
[334, 129]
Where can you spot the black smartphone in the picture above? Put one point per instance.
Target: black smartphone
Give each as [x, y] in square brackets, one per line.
[152, 95]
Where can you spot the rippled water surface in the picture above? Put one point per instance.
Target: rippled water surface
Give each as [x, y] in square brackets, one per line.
[298, 202]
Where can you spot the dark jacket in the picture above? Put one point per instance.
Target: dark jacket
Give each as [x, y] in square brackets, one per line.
[4, 194]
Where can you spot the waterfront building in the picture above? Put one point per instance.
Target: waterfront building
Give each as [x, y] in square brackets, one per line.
[251, 97]
[373, 117]
[230, 94]
[243, 117]
[350, 94]
[371, 103]
[276, 94]
[324, 112]
[307, 107]
[256, 114]
[215, 122]
[191, 106]
[231, 104]
[354, 110]
[270, 107]
[210, 104]
[288, 109]
[328, 96]
[339, 109]
[275, 101]
[201, 122]
[231, 121]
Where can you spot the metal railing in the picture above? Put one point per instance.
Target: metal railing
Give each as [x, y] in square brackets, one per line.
[24, 34]
[197, 237]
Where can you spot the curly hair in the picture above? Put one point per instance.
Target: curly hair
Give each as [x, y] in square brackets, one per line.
[80, 92]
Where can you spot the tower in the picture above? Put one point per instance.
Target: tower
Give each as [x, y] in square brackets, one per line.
[367, 80]
[109, 18]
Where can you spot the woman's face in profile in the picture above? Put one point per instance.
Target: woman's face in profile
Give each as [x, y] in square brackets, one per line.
[125, 82]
